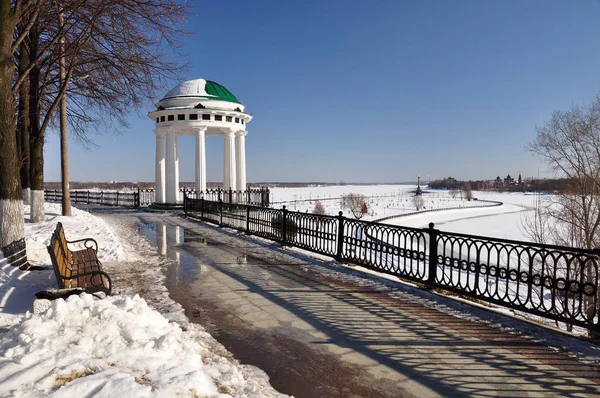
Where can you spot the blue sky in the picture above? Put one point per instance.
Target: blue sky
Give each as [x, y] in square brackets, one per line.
[376, 91]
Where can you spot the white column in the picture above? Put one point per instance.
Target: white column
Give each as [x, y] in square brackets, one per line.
[201, 160]
[160, 168]
[177, 198]
[229, 161]
[225, 163]
[171, 179]
[241, 159]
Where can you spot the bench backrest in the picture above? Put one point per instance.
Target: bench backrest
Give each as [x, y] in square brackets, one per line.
[60, 232]
[60, 256]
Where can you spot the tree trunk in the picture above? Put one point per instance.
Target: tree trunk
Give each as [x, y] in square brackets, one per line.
[11, 204]
[64, 148]
[23, 125]
[36, 139]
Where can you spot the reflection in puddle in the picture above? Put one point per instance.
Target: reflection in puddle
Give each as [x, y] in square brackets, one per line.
[168, 239]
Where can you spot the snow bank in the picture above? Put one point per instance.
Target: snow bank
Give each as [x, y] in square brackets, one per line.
[78, 226]
[117, 346]
[18, 287]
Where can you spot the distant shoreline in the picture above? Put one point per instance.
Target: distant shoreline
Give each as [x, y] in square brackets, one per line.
[211, 185]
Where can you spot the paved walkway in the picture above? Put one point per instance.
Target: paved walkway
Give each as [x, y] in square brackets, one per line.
[319, 335]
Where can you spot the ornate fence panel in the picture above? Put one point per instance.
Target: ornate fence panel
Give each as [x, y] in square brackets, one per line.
[559, 283]
[234, 215]
[265, 222]
[147, 197]
[211, 211]
[312, 232]
[400, 251]
[253, 196]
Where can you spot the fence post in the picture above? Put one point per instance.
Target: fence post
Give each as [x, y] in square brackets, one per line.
[248, 218]
[284, 225]
[117, 198]
[340, 237]
[202, 208]
[230, 196]
[185, 204]
[248, 201]
[101, 197]
[221, 213]
[137, 204]
[88, 197]
[433, 260]
[219, 193]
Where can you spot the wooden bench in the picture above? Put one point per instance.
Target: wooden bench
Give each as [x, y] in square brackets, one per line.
[77, 268]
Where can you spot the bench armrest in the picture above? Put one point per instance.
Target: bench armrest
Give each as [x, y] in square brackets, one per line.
[89, 243]
[92, 273]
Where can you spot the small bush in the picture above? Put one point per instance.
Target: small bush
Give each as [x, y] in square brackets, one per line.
[468, 191]
[418, 202]
[356, 203]
[319, 209]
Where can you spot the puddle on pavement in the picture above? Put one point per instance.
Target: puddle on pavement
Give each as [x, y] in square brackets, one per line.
[293, 367]
[168, 240]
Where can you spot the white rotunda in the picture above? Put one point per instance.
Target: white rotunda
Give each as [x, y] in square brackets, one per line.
[199, 108]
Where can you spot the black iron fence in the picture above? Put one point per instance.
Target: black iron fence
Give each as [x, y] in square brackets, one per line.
[106, 198]
[555, 282]
[252, 196]
[146, 197]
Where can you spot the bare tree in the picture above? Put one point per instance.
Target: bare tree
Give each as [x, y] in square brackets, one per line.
[418, 202]
[466, 188]
[111, 57]
[356, 203]
[129, 38]
[536, 225]
[11, 208]
[569, 143]
[23, 121]
[319, 208]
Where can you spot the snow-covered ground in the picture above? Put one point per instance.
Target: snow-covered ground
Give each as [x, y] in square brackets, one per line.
[117, 346]
[382, 200]
[503, 222]
[389, 200]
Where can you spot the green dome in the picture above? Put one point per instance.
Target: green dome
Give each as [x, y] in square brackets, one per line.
[213, 88]
[200, 88]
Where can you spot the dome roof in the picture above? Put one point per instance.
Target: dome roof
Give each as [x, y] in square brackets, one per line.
[202, 89]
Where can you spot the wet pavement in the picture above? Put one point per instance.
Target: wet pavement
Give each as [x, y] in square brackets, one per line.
[318, 336]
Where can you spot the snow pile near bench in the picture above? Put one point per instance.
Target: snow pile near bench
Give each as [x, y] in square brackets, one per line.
[81, 224]
[117, 346]
[17, 288]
